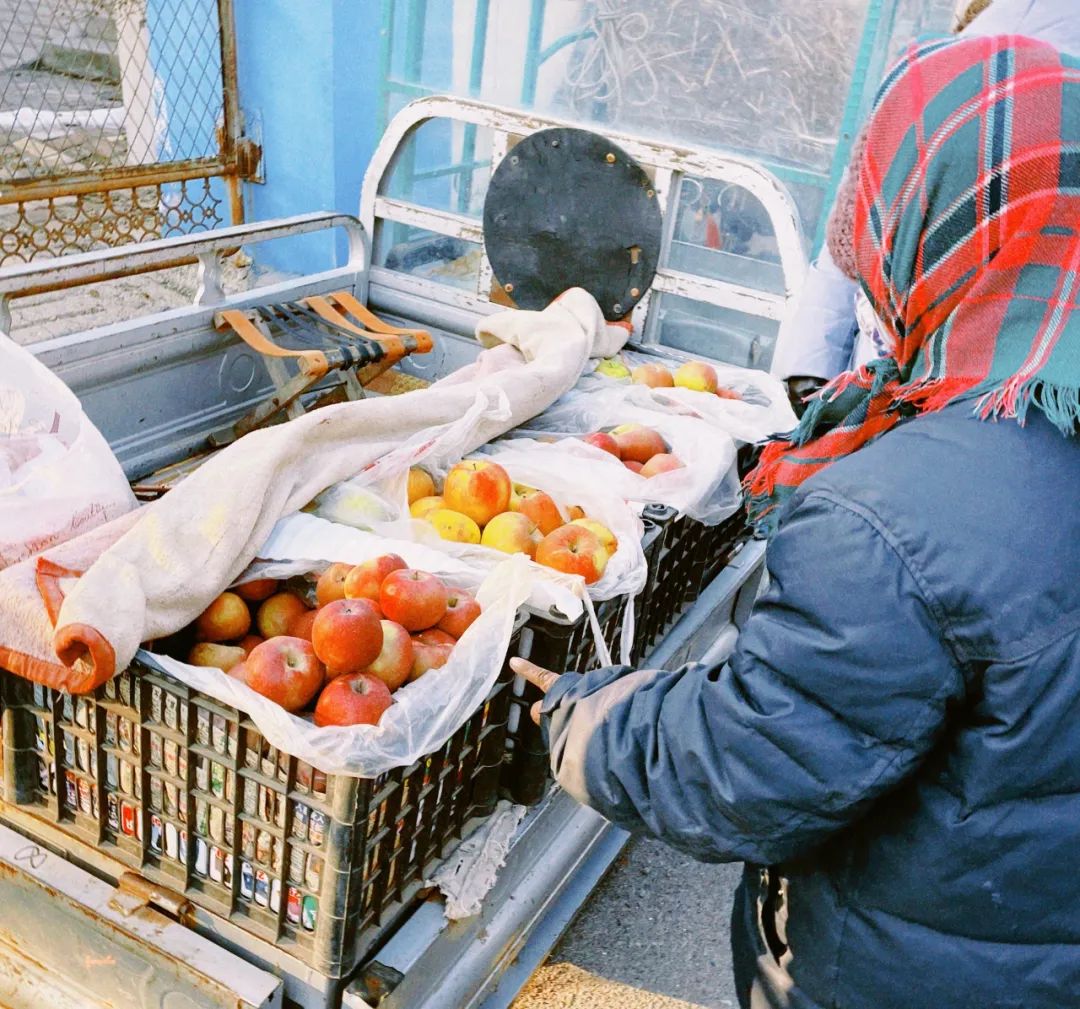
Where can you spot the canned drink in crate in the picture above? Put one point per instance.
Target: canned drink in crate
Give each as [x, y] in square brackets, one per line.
[125, 728]
[202, 817]
[202, 774]
[251, 754]
[229, 830]
[128, 815]
[82, 754]
[71, 789]
[309, 912]
[266, 804]
[93, 764]
[292, 905]
[138, 825]
[41, 735]
[226, 872]
[156, 833]
[281, 805]
[183, 716]
[67, 708]
[94, 810]
[85, 802]
[111, 737]
[172, 709]
[181, 765]
[297, 864]
[247, 880]
[316, 827]
[112, 771]
[202, 856]
[156, 748]
[318, 782]
[40, 700]
[110, 689]
[43, 776]
[125, 689]
[313, 873]
[277, 854]
[155, 704]
[127, 778]
[263, 846]
[219, 733]
[112, 810]
[262, 887]
[303, 776]
[183, 839]
[136, 735]
[247, 840]
[69, 749]
[202, 726]
[217, 823]
[157, 795]
[232, 746]
[217, 780]
[170, 754]
[251, 797]
[275, 895]
[217, 864]
[300, 821]
[82, 712]
[172, 840]
[171, 799]
[230, 786]
[283, 767]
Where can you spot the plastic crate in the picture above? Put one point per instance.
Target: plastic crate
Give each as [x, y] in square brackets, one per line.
[165, 780]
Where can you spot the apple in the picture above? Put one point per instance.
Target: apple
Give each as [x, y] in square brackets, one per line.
[634, 467]
[656, 376]
[662, 463]
[277, 613]
[420, 484]
[358, 699]
[286, 670]
[225, 619]
[347, 635]
[238, 672]
[575, 512]
[638, 443]
[427, 656]
[461, 610]
[728, 393]
[478, 489]
[414, 599]
[395, 660]
[331, 583]
[512, 533]
[258, 590]
[433, 636]
[364, 580]
[249, 641]
[696, 375]
[574, 551]
[538, 506]
[454, 526]
[607, 538]
[612, 367]
[421, 508]
[301, 625]
[224, 657]
[602, 441]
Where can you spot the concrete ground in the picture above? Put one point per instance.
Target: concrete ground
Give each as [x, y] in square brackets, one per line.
[654, 935]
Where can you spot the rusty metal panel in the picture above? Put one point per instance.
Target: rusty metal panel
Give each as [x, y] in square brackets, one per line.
[68, 939]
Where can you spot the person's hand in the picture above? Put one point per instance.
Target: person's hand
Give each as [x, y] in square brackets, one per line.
[545, 679]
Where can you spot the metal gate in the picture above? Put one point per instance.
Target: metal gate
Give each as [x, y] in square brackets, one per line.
[119, 122]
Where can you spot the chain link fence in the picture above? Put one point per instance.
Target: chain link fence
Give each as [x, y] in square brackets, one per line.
[117, 122]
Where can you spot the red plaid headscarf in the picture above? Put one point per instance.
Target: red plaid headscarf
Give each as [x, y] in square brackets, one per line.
[966, 238]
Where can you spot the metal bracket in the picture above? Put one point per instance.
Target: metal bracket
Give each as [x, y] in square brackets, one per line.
[134, 892]
[249, 163]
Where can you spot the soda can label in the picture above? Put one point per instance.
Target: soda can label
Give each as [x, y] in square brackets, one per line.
[110, 728]
[297, 864]
[68, 709]
[127, 778]
[94, 811]
[112, 770]
[219, 733]
[281, 806]
[181, 769]
[262, 887]
[172, 841]
[202, 856]
[69, 749]
[157, 795]
[217, 780]
[202, 774]
[263, 844]
[156, 750]
[43, 776]
[170, 755]
[39, 696]
[309, 913]
[71, 786]
[155, 704]
[300, 821]
[156, 833]
[283, 767]
[292, 905]
[316, 827]
[112, 806]
[182, 720]
[182, 856]
[41, 736]
[138, 781]
[202, 726]
[229, 831]
[125, 689]
[230, 786]
[232, 746]
[275, 895]
[247, 840]
[247, 880]
[110, 689]
[93, 764]
[217, 864]
[318, 782]
[125, 735]
[251, 797]
[202, 817]
[217, 823]
[226, 873]
[172, 799]
[277, 854]
[128, 816]
[303, 776]
[171, 707]
[81, 712]
[251, 754]
[313, 875]
[85, 791]
[266, 804]
[82, 748]
[138, 825]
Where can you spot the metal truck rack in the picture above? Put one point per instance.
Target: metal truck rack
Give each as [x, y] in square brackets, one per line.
[187, 379]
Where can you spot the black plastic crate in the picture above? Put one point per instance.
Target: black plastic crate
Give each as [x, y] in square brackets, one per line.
[165, 780]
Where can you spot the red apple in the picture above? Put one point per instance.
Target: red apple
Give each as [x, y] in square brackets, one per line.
[331, 583]
[347, 635]
[638, 443]
[248, 642]
[655, 376]
[512, 533]
[427, 656]
[365, 579]
[357, 699]
[277, 613]
[258, 590]
[574, 550]
[414, 599]
[239, 671]
[478, 489]
[634, 467]
[461, 610]
[285, 670]
[301, 625]
[538, 506]
[696, 375]
[607, 538]
[603, 441]
[395, 661]
[662, 463]
[224, 657]
[225, 619]
[433, 636]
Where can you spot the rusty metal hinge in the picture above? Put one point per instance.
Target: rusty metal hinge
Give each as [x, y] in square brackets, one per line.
[249, 160]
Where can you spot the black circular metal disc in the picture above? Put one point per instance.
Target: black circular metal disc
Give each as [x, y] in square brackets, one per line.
[567, 208]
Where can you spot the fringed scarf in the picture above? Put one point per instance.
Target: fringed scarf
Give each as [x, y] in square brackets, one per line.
[967, 243]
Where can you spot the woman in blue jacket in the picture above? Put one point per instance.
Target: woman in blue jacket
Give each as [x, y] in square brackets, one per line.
[898, 731]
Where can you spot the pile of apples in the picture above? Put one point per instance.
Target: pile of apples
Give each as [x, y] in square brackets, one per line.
[375, 627]
[480, 504]
[641, 449]
[695, 375]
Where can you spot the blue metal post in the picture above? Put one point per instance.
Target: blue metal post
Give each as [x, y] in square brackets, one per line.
[533, 50]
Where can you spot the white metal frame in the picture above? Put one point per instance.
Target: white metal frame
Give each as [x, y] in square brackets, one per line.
[668, 163]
